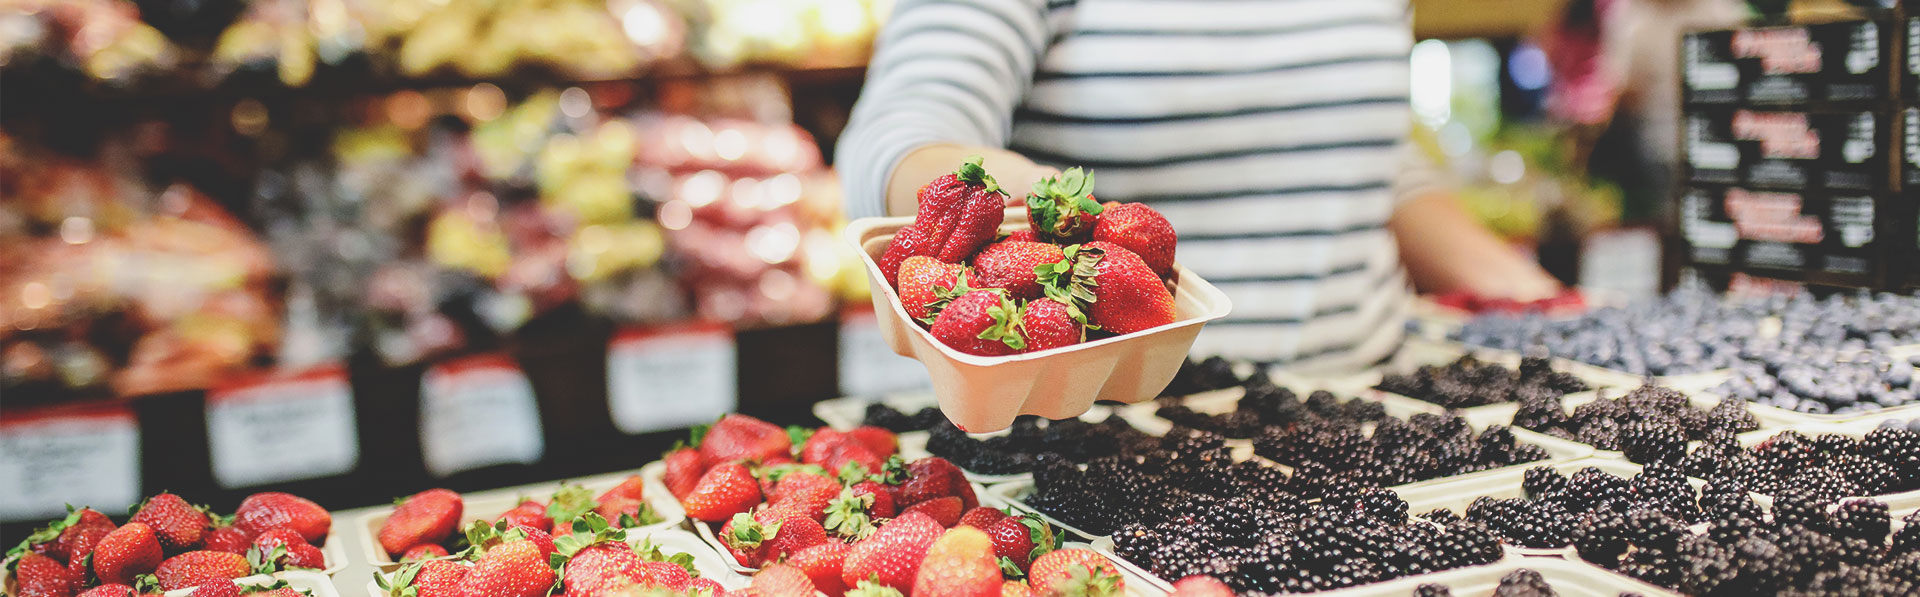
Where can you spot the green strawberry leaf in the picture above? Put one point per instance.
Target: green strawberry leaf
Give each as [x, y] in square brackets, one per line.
[973, 172]
[1042, 535]
[698, 434]
[45, 534]
[780, 471]
[943, 296]
[798, 435]
[872, 588]
[569, 502]
[146, 583]
[847, 515]
[1011, 570]
[892, 472]
[747, 533]
[1006, 325]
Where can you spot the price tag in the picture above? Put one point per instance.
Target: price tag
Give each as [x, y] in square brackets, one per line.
[87, 456]
[671, 378]
[478, 411]
[868, 367]
[282, 426]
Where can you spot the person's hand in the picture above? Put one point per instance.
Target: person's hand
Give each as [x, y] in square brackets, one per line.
[1018, 180]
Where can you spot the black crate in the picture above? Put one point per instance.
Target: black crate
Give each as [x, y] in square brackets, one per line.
[1832, 63]
[1826, 234]
[1848, 150]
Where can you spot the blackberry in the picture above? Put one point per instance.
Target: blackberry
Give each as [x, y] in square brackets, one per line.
[1441, 516]
[1661, 481]
[1524, 523]
[1861, 519]
[1705, 566]
[1798, 510]
[1724, 500]
[1136, 542]
[1822, 484]
[928, 417]
[1599, 433]
[1907, 539]
[1899, 449]
[1655, 529]
[1648, 441]
[1432, 590]
[1216, 373]
[886, 417]
[1239, 424]
[1874, 477]
[1523, 583]
[1590, 486]
[1177, 558]
[1543, 481]
[1733, 416]
[1541, 414]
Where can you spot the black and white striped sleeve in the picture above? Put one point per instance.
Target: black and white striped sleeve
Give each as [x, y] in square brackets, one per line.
[943, 71]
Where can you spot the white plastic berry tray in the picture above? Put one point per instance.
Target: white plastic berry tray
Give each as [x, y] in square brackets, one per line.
[1568, 578]
[986, 393]
[311, 583]
[1458, 494]
[1416, 353]
[1774, 417]
[489, 505]
[710, 539]
[670, 541]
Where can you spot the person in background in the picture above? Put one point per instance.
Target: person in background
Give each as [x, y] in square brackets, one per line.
[1271, 134]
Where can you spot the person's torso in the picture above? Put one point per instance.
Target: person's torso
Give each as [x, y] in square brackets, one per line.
[1266, 131]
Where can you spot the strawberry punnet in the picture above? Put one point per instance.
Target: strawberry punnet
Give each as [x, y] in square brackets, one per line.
[1061, 208]
[958, 213]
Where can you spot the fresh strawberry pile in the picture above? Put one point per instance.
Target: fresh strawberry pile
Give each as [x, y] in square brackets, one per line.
[1081, 269]
[227, 588]
[741, 462]
[169, 544]
[422, 525]
[913, 556]
[591, 559]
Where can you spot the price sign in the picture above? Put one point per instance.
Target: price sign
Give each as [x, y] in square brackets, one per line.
[88, 456]
[868, 367]
[282, 426]
[667, 378]
[478, 411]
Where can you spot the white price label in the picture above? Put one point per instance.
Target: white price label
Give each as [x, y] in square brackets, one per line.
[671, 378]
[277, 428]
[476, 412]
[868, 367]
[85, 457]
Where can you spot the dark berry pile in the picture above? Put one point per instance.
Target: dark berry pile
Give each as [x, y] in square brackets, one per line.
[1556, 505]
[1013, 453]
[886, 417]
[1471, 382]
[1822, 468]
[1398, 451]
[1265, 404]
[1799, 550]
[1648, 424]
[1212, 373]
[1823, 381]
[1519, 583]
[1186, 508]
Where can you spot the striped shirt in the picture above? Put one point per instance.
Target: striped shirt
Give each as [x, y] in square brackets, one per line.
[1269, 132]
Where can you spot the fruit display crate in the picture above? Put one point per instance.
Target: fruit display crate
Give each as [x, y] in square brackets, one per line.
[489, 505]
[706, 562]
[1417, 353]
[1567, 578]
[310, 583]
[710, 538]
[1458, 494]
[1901, 500]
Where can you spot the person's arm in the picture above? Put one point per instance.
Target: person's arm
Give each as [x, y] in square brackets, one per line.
[1445, 250]
[942, 86]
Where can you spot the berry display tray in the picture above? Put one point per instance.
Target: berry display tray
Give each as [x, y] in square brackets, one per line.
[311, 583]
[1457, 495]
[1774, 417]
[1601, 377]
[1417, 353]
[1904, 500]
[671, 541]
[710, 538]
[986, 393]
[489, 505]
[1568, 578]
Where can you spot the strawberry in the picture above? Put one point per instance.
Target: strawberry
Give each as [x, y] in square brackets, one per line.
[262, 512]
[781, 580]
[511, 569]
[1022, 235]
[305, 555]
[1142, 230]
[851, 515]
[1012, 266]
[927, 285]
[283, 538]
[684, 468]
[891, 556]
[929, 478]
[958, 564]
[883, 505]
[195, 568]
[539, 538]
[878, 440]
[529, 513]
[624, 511]
[794, 533]
[810, 502]
[1200, 585]
[438, 578]
[664, 575]
[632, 487]
[1061, 209]
[568, 503]
[1048, 323]
[746, 539]
[107, 591]
[740, 437]
[218, 587]
[1019, 539]
[179, 525]
[424, 551]
[426, 517]
[229, 539]
[981, 322]
[789, 480]
[957, 214]
[705, 587]
[822, 564]
[725, 490]
[601, 569]
[945, 510]
[128, 551]
[278, 592]
[1111, 287]
[820, 445]
[981, 518]
[42, 576]
[72, 537]
[1075, 571]
[1016, 588]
